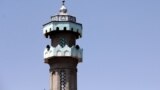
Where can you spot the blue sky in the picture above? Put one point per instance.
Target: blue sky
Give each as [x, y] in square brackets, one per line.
[121, 42]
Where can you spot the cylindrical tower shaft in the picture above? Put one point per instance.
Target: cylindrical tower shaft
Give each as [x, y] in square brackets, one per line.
[63, 74]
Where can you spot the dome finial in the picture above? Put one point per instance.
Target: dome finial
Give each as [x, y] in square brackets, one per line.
[63, 9]
[63, 2]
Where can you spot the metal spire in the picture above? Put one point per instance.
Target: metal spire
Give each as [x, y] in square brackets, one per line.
[63, 9]
[63, 2]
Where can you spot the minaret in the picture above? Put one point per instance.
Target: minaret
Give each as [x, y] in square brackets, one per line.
[63, 54]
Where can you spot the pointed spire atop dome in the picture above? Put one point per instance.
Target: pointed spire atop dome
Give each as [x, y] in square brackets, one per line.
[63, 2]
[63, 9]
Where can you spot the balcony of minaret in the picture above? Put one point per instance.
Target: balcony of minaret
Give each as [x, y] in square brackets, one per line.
[55, 26]
[66, 51]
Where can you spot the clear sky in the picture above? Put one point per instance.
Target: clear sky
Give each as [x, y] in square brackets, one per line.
[121, 42]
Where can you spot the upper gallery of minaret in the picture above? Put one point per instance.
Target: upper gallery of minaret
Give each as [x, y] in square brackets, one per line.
[63, 16]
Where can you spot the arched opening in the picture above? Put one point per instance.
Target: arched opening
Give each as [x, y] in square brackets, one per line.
[77, 30]
[59, 53]
[71, 29]
[65, 28]
[46, 30]
[66, 53]
[57, 28]
[77, 47]
[46, 35]
[48, 47]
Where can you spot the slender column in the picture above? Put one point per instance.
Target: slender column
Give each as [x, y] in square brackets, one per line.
[55, 84]
[51, 80]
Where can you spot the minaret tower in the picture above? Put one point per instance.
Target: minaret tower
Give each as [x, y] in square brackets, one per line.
[63, 54]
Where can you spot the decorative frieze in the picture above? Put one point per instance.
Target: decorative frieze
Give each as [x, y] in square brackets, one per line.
[61, 26]
[65, 51]
[63, 18]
